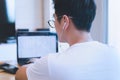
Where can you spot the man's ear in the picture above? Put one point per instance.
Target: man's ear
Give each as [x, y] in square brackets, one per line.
[66, 22]
[64, 26]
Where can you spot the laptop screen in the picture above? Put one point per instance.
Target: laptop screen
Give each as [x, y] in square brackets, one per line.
[36, 44]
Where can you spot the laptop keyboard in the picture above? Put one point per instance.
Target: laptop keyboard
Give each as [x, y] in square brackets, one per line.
[24, 61]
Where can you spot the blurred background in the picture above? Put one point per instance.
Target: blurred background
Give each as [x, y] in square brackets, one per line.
[33, 15]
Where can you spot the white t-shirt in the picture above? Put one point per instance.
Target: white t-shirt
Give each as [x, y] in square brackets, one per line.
[82, 61]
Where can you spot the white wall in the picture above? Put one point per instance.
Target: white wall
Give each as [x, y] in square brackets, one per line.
[29, 14]
[46, 12]
[114, 23]
[99, 27]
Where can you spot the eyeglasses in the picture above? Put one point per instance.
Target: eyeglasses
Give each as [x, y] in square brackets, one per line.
[51, 23]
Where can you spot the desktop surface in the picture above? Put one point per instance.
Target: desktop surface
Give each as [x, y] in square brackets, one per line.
[6, 76]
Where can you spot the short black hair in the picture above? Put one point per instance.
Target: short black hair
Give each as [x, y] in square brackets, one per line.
[81, 11]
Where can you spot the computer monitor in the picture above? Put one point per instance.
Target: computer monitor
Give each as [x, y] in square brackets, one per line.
[35, 45]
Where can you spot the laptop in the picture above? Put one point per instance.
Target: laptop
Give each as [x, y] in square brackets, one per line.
[32, 45]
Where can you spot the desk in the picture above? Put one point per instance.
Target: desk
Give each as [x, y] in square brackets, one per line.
[6, 76]
[10, 51]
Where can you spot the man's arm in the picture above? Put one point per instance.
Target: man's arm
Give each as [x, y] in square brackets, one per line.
[36, 71]
[21, 74]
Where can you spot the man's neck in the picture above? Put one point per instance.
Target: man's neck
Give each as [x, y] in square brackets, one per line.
[79, 37]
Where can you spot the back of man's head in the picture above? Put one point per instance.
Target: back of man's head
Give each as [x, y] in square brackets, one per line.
[81, 11]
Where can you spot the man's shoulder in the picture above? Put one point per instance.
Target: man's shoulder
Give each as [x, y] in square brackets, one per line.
[53, 55]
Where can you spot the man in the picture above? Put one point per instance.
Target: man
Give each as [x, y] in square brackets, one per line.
[86, 59]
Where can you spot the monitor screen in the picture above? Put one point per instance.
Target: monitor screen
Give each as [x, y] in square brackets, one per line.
[10, 9]
[36, 45]
[7, 19]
